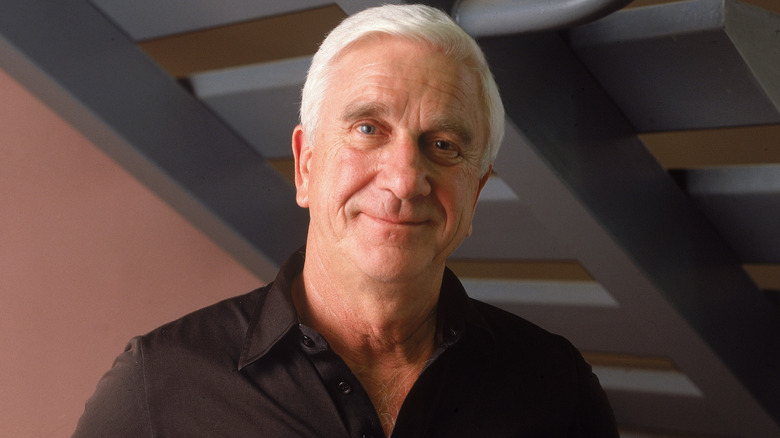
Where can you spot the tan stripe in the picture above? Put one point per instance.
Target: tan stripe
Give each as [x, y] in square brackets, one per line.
[715, 147]
[262, 40]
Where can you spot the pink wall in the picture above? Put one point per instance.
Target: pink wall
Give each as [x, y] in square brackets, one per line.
[88, 258]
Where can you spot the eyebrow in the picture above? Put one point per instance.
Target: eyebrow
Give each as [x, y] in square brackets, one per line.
[359, 110]
[463, 134]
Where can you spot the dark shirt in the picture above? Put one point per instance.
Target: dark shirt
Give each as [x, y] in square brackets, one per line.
[245, 367]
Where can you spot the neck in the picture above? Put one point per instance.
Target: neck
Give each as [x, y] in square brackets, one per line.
[385, 332]
[367, 324]
[368, 316]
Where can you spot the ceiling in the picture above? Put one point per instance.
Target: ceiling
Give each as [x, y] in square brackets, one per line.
[633, 207]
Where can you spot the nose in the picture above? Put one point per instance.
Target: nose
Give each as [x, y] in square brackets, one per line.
[404, 169]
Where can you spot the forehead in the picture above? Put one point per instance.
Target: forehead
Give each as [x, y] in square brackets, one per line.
[390, 70]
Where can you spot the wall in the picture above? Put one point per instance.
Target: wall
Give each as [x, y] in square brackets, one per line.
[88, 259]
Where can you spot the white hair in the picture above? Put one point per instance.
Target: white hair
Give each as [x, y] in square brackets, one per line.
[412, 22]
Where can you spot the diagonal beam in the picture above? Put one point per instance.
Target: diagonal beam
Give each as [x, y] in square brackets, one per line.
[483, 18]
[576, 161]
[91, 73]
[496, 235]
[743, 202]
[687, 65]
[239, 94]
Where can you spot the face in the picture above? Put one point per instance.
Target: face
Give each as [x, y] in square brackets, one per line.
[392, 176]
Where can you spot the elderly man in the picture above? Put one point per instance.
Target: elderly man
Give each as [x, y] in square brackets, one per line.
[365, 332]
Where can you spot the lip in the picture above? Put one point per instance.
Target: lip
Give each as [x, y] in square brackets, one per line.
[396, 221]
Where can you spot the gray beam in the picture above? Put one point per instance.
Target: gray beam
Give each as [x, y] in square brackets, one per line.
[743, 202]
[582, 294]
[495, 235]
[483, 18]
[687, 65]
[239, 95]
[355, 6]
[83, 67]
[576, 161]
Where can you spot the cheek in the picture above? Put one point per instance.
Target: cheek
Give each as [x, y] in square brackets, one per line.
[340, 175]
[459, 202]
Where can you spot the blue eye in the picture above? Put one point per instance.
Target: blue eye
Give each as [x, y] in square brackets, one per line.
[367, 129]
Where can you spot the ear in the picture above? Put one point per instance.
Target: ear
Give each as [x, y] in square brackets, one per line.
[482, 182]
[481, 185]
[302, 154]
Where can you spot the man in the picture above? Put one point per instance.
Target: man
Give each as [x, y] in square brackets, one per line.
[365, 332]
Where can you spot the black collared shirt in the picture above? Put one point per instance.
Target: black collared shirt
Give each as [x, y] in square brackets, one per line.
[245, 367]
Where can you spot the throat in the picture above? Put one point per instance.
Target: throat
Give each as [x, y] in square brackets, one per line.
[389, 376]
[388, 391]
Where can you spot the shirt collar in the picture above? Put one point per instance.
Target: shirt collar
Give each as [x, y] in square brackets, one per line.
[456, 311]
[274, 314]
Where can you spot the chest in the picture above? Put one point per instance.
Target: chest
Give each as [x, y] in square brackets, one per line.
[293, 392]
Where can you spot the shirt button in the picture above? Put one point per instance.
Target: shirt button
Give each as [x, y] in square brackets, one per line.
[345, 388]
[306, 341]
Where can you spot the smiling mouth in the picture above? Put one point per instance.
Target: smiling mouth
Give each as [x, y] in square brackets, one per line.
[398, 221]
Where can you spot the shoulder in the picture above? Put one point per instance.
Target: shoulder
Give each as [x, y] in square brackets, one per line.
[547, 369]
[150, 384]
[515, 340]
[510, 329]
[219, 326]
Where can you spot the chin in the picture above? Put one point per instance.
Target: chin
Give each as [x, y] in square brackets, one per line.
[395, 264]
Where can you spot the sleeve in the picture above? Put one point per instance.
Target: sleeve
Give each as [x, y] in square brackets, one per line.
[595, 417]
[119, 407]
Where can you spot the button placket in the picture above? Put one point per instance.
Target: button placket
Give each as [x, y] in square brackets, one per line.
[350, 399]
